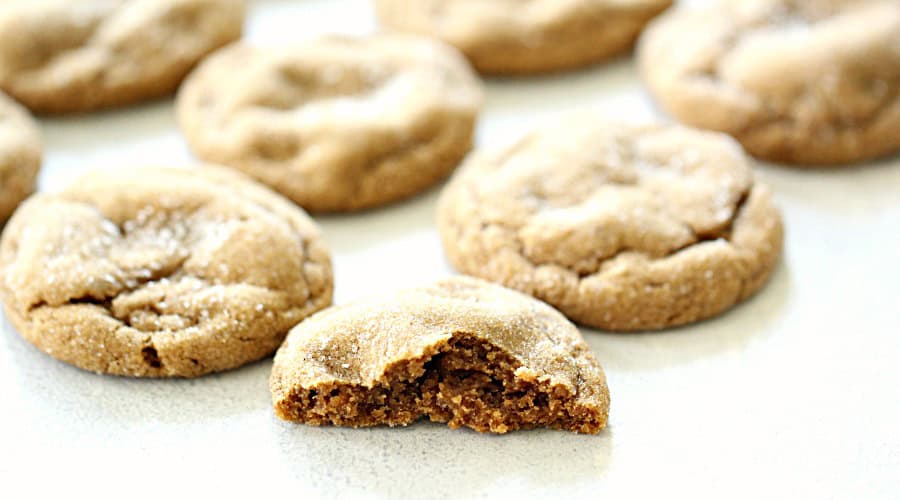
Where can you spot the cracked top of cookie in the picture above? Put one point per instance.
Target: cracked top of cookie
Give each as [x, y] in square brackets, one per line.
[579, 195]
[581, 211]
[338, 122]
[794, 81]
[157, 272]
[61, 56]
[20, 155]
[357, 344]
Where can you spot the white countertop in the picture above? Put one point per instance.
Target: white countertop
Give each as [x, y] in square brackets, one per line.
[795, 393]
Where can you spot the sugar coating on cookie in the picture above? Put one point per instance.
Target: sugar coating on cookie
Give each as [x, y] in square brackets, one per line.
[619, 226]
[534, 36]
[20, 155]
[797, 82]
[63, 56]
[461, 351]
[337, 123]
[161, 272]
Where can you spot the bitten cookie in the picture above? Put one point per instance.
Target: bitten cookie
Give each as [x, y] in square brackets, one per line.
[161, 272]
[460, 351]
[515, 37]
[20, 156]
[338, 123]
[62, 56]
[619, 226]
[801, 82]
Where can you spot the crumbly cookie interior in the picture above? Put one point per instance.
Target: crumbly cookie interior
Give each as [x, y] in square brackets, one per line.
[466, 382]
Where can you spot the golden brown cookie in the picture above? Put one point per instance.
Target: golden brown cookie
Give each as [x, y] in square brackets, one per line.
[801, 82]
[20, 156]
[161, 272]
[535, 36]
[460, 351]
[619, 226]
[338, 123]
[62, 56]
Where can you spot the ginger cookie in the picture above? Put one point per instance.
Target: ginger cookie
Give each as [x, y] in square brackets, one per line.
[799, 82]
[337, 123]
[460, 351]
[619, 226]
[20, 156]
[516, 37]
[64, 56]
[161, 272]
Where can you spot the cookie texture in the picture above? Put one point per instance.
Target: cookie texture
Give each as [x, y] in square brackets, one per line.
[619, 226]
[63, 56]
[338, 123]
[460, 351]
[20, 156]
[535, 36]
[799, 82]
[161, 272]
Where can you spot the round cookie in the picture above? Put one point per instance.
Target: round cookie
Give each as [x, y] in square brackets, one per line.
[161, 272]
[63, 56]
[619, 226]
[460, 351]
[20, 156]
[337, 123]
[515, 37]
[795, 82]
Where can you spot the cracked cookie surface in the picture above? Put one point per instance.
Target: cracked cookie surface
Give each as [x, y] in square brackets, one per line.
[337, 123]
[161, 272]
[520, 37]
[63, 56]
[619, 226]
[800, 82]
[461, 351]
[20, 156]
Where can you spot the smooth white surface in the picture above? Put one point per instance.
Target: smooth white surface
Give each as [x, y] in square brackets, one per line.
[793, 394]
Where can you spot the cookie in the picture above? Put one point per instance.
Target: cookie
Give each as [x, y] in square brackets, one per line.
[20, 156]
[161, 272]
[63, 56]
[619, 226]
[460, 351]
[514, 37]
[805, 83]
[337, 123]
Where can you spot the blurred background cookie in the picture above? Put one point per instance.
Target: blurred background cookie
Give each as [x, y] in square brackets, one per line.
[800, 82]
[61, 56]
[338, 123]
[619, 226]
[161, 272]
[515, 37]
[20, 156]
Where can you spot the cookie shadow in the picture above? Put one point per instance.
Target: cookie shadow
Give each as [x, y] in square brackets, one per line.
[78, 131]
[354, 231]
[427, 460]
[731, 331]
[516, 106]
[862, 187]
[134, 136]
[85, 398]
[619, 71]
